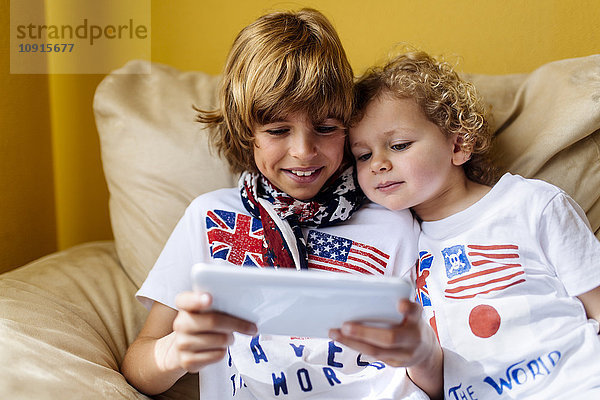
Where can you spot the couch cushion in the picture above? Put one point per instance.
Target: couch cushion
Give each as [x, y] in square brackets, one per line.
[547, 126]
[65, 323]
[155, 156]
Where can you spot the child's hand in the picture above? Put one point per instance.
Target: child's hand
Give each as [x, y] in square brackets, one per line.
[410, 344]
[404, 344]
[201, 336]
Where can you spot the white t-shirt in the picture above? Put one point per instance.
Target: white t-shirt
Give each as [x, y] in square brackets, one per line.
[216, 225]
[498, 281]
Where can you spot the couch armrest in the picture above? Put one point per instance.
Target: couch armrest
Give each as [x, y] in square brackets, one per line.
[66, 321]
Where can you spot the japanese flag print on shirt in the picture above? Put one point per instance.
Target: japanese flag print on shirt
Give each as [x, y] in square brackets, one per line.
[216, 226]
[498, 281]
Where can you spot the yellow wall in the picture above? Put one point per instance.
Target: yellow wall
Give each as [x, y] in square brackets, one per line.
[54, 195]
[81, 195]
[492, 36]
[27, 219]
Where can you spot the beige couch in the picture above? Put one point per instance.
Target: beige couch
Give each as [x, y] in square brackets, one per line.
[67, 319]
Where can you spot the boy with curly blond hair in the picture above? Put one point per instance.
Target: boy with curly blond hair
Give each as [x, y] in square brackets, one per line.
[508, 271]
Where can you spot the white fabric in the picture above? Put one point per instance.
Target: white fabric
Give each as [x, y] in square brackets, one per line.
[275, 366]
[517, 331]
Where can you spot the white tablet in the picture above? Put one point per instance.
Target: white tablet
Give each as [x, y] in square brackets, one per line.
[300, 303]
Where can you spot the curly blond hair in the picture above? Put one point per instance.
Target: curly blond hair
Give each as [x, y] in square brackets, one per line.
[283, 62]
[446, 100]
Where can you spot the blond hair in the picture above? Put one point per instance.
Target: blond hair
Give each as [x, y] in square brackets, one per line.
[282, 63]
[446, 100]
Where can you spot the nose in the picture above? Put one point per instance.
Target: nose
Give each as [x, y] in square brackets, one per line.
[380, 164]
[303, 146]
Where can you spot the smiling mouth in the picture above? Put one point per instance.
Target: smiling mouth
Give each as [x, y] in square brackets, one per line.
[304, 172]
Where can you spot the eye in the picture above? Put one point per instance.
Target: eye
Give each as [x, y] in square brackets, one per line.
[277, 131]
[326, 129]
[400, 146]
[363, 157]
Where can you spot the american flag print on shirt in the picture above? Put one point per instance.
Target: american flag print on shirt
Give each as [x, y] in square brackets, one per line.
[235, 237]
[474, 270]
[338, 254]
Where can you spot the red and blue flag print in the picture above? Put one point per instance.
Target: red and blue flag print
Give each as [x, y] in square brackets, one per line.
[423, 271]
[338, 254]
[474, 270]
[238, 239]
[234, 237]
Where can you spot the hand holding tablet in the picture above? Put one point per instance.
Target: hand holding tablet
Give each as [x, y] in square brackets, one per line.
[300, 303]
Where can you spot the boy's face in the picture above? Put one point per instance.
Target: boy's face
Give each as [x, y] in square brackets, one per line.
[403, 159]
[297, 155]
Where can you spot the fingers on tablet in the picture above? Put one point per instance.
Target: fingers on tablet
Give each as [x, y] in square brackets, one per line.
[193, 301]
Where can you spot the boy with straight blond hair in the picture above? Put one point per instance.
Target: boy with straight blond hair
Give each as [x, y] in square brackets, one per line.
[285, 102]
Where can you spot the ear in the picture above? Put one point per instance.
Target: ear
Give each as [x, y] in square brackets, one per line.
[460, 153]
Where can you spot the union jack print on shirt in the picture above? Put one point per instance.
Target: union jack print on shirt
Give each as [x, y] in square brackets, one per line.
[423, 271]
[335, 253]
[237, 238]
[474, 269]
